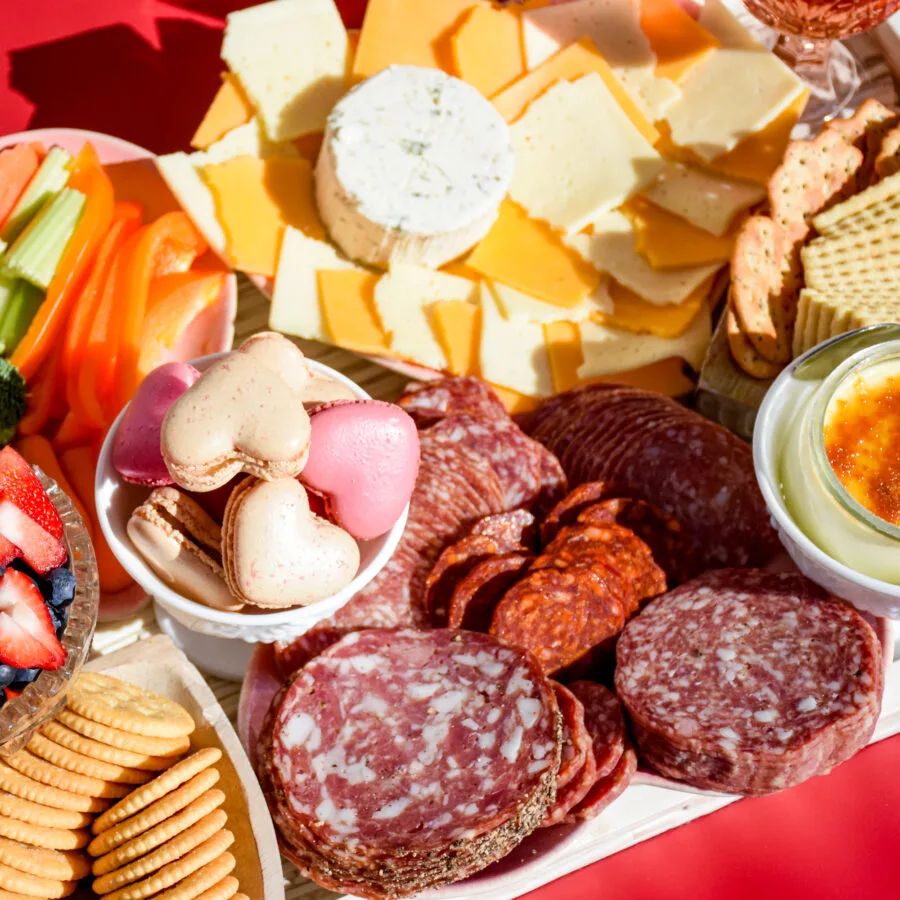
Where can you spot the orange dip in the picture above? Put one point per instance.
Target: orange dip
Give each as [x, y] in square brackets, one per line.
[862, 442]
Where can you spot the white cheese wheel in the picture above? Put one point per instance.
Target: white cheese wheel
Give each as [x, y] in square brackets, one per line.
[413, 168]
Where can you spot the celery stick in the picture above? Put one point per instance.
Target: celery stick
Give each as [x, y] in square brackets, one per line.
[6, 291]
[49, 180]
[36, 252]
[20, 310]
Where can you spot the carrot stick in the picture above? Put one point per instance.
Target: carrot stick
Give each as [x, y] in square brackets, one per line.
[17, 167]
[44, 395]
[73, 432]
[89, 178]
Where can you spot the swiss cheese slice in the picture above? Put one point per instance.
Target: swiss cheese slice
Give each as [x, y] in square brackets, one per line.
[255, 199]
[721, 22]
[614, 26]
[229, 109]
[290, 57]
[580, 58]
[678, 40]
[409, 33]
[404, 299]
[348, 310]
[632, 313]
[578, 155]
[521, 307]
[487, 49]
[458, 326]
[702, 198]
[245, 140]
[296, 307]
[611, 249]
[512, 354]
[607, 351]
[667, 241]
[529, 256]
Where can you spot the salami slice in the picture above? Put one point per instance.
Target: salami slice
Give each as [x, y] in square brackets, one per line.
[572, 793]
[563, 616]
[554, 482]
[576, 501]
[513, 530]
[292, 656]
[475, 598]
[435, 399]
[605, 722]
[749, 681]
[605, 790]
[451, 567]
[401, 760]
[576, 740]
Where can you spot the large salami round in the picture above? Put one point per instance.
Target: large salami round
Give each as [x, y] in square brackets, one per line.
[400, 760]
[449, 396]
[749, 681]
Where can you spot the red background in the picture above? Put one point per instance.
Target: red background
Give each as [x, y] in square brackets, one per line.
[145, 70]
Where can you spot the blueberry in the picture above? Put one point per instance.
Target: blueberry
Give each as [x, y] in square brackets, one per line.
[59, 615]
[7, 675]
[23, 678]
[62, 587]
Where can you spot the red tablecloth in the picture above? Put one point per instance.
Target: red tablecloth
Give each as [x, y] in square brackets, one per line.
[145, 70]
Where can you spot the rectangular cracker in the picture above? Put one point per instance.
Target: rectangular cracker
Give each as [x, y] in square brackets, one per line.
[885, 190]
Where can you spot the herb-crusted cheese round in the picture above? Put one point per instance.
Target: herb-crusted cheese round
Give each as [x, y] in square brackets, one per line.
[413, 168]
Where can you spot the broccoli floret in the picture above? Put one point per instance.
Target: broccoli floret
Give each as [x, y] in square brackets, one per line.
[12, 400]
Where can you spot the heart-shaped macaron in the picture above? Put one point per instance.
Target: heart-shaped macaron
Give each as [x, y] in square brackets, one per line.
[244, 414]
[136, 453]
[277, 553]
[363, 458]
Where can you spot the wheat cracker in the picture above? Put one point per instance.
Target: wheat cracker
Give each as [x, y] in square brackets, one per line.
[868, 199]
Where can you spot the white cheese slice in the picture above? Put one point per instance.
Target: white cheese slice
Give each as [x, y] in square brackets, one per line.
[290, 57]
[722, 24]
[403, 298]
[245, 140]
[578, 155]
[196, 199]
[615, 28]
[704, 199]
[517, 306]
[611, 249]
[512, 354]
[296, 306]
[607, 350]
[413, 168]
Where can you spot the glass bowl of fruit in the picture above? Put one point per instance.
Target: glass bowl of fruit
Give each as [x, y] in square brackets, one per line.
[49, 598]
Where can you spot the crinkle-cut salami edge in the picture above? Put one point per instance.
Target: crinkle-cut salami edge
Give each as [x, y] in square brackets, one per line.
[476, 596]
[605, 790]
[604, 719]
[514, 530]
[575, 736]
[451, 567]
[578, 499]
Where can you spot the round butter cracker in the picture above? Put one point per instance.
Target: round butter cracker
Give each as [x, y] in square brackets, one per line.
[38, 814]
[72, 740]
[84, 765]
[197, 886]
[226, 889]
[57, 864]
[41, 836]
[124, 740]
[34, 885]
[47, 773]
[14, 782]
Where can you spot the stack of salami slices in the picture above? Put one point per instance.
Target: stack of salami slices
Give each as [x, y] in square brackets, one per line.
[398, 760]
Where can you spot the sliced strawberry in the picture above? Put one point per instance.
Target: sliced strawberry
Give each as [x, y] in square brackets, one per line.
[20, 485]
[8, 552]
[11, 694]
[36, 546]
[27, 637]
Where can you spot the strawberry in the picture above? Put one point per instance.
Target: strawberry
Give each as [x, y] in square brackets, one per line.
[27, 637]
[30, 526]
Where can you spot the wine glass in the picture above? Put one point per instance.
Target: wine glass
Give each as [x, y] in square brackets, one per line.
[808, 41]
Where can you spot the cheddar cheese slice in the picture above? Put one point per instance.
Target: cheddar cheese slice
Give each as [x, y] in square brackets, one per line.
[487, 49]
[580, 58]
[255, 199]
[408, 33]
[529, 256]
[563, 341]
[632, 313]
[515, 402]
[458, 326]
[678, 40]
[348, 310]
[229, 110]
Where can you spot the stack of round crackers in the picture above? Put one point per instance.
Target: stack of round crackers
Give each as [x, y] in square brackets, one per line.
[113, 763]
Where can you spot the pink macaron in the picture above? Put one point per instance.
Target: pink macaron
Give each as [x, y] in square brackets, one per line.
[136, 453]
[363, 459]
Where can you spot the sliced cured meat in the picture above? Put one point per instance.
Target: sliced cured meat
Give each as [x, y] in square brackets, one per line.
[576, 740]
[451, 567]
[513, 530]
[749, 681]
[578, 499]
[554, 482]
[516, 458]
[292, 656]
[400, 760]
[475, 598]
[605, 790]
[571, 794]
[449, 396]
[563, 616]
[605, 722]
[690, 467]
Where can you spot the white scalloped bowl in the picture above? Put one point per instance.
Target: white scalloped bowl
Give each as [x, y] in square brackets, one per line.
[117, 499]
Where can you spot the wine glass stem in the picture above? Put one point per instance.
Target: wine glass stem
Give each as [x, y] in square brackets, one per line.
[802, 52]
[818, 62]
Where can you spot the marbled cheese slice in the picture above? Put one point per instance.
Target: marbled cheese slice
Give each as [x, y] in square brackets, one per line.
[413, 169]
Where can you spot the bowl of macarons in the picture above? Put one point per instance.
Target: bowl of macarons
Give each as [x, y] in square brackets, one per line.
[253, 493]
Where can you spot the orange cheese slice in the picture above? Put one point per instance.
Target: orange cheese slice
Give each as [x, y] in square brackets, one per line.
[515, 402]
[255, 199]
[529, 256]
[408, 33]
[487, 49]
[308, 145]
[458, 328]
[230, 108]
[678, 41]
[576, 60]
[633, 313]
[348, 308]
[563, 340]
[669, 242]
